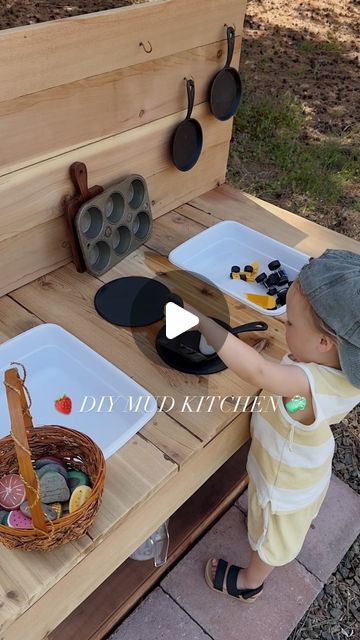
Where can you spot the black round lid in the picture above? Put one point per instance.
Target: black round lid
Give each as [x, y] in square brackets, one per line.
[133, 301]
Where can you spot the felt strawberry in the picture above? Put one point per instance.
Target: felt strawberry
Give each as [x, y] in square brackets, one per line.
[63, 404]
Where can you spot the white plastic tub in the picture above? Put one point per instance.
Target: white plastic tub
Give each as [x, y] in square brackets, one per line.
[211, 254]
[57, 363]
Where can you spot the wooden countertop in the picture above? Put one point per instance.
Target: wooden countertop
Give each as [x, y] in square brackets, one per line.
[159, 468]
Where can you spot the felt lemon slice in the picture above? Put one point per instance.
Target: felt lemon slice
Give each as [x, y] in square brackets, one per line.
[78, 497]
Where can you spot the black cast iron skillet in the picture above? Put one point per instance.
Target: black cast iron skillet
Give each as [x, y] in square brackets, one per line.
[182, 353]
[187, 141]
[225, 90]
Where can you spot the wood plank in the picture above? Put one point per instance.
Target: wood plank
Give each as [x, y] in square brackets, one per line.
[168, 436]
[105, 608]
[168, 232]
[66, 298]
[35, 623]
[133, 474]
[14, 319]
[137, 469]
[212, 302]
[51, 122]
[33, 253]
[228, 203]
[63, 51]
[35, 199]
[26, 576]
[33, 195]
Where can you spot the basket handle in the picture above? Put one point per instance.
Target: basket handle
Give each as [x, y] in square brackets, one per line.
[20, 420]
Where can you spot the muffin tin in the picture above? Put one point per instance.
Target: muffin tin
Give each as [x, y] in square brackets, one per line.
[113, 224]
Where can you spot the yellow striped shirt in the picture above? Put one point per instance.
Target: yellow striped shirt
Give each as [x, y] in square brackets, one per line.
[289, 462]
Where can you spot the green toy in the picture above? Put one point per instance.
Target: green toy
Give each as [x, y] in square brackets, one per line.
[295, 404]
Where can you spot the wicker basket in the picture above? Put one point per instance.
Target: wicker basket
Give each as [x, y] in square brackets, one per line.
[25, 445]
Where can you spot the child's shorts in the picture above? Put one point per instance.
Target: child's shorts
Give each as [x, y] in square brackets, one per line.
[278, 537]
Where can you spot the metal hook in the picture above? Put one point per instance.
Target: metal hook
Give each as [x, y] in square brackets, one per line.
[233, 25]
[141, 44]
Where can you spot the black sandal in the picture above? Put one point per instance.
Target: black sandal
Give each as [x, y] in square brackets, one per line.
[225, 581]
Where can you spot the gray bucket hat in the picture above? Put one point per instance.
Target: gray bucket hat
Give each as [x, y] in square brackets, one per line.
[331, 284]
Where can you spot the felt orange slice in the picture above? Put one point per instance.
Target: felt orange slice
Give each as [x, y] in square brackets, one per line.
[12, 491]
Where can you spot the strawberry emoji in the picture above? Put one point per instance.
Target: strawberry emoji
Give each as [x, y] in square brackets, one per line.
[63, 404]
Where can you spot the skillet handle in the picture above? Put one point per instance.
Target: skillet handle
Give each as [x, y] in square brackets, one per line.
[250, 326]
[190, 86]
[230, 32]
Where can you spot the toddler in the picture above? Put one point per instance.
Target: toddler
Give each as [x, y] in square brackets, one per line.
[289, 462]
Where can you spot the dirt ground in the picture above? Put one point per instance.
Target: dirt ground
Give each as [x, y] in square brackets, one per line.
[15, 13]
[306, 53]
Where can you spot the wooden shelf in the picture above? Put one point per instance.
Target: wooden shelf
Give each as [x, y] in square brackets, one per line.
[112, 601]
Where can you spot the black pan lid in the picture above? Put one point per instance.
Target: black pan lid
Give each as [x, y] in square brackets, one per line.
[133, 301]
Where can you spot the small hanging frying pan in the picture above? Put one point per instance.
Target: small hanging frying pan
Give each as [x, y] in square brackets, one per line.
[187, 140]
[225, 90]
[182, 353]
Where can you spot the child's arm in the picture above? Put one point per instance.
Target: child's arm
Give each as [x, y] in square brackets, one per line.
[248, 364]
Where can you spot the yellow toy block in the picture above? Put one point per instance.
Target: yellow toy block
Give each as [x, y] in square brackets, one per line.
[264, 301]
[251, 276]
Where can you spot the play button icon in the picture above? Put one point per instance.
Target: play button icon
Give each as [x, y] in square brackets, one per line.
[178, 320]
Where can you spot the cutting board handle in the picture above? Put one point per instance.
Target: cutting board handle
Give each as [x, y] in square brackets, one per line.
[79, 177]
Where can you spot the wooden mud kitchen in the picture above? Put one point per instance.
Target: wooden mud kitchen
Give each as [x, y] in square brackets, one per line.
[108, 90]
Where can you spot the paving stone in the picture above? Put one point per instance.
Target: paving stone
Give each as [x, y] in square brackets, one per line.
[334, 530]
[287, 595]
[158, 618]
[242, 502]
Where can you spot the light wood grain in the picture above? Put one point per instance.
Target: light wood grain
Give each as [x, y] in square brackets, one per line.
[32, 196]
[66, 297]
[175, 442]
[51, 122]
[34, 229]
[25, 576]
[64, 51]
[133, 474]
[14, 319]
[33, 253]
[228, 203]
[137, 526]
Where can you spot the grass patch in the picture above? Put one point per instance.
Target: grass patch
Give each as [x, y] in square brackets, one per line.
[311, 46]
[269, 138]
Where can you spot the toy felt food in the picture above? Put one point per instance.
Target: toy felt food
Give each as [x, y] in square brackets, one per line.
[52, 467]
[3, 516]
[12, 491]
[48, 511]
[53, 488]
[78, 497]
[18, 520]
[57, 507]
[49, 460]
[264, 301]
[76, 478]
[18, 451]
